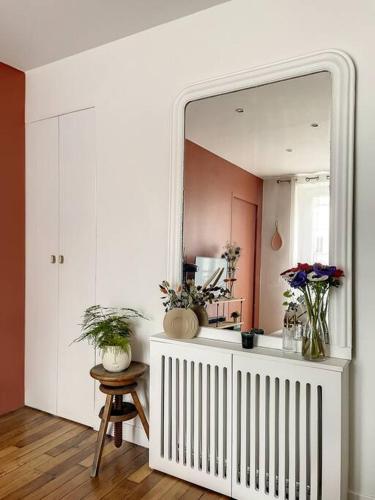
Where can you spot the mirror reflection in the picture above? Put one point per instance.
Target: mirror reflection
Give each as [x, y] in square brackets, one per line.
[256, 194]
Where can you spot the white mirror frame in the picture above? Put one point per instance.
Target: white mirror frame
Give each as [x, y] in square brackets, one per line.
[342, 71]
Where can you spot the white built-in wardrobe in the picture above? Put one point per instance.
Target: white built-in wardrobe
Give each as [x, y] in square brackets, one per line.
[60, 263]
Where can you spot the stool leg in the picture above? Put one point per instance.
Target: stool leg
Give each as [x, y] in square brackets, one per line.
[101, 435]
[140, 411]
[118, 425]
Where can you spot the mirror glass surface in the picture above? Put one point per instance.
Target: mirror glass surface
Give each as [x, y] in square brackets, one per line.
[256, 175]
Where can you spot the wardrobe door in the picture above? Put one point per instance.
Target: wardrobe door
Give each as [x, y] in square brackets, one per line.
[76, 263]
[41, 271]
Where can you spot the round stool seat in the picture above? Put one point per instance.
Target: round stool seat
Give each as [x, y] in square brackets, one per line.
[117, 391]
[116, 379]
[126, 412]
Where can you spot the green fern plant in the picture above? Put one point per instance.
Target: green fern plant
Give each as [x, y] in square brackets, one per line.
[104, 327]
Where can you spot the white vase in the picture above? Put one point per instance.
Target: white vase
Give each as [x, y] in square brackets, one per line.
[115, 359]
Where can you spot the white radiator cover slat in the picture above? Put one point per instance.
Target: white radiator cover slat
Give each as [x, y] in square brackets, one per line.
[248, 424]
[203, 442]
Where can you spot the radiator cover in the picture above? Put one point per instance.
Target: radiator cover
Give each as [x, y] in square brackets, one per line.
[248, 424]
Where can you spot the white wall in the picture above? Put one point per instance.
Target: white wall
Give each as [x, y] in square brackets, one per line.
[133, 84]
[276, 204]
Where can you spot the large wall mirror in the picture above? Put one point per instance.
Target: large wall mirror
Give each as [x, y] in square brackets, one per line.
[266, 168]
[256, 176]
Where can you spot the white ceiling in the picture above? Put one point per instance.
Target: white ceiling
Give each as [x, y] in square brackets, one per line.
[276, 117]
[37, 32]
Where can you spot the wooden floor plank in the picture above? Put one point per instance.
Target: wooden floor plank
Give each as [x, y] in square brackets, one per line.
[29, 487]
[107, 449]
[110, 475]
[73, 442]
[177, 490]
[24, 429]
[7, 450]
[193, 493]
[139, 475]
[16, 481]
[161, 489]
[84, 476]
[46, 457]
[22, 456]
[53, 484]
[134, 492]
[16, 420]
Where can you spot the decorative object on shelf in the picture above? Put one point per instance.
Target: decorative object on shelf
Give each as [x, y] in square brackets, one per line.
[247, 339]
[201, 313]
[276, 241]
[315, 282]
[185, 307]
[235, 315]
[222, 320]
[109, 330]
[181, 323]
[231, 254]
[289, 340]
[180, 320]
[295, 316]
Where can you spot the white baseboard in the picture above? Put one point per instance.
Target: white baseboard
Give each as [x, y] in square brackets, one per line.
[135, 434]
[357, 496]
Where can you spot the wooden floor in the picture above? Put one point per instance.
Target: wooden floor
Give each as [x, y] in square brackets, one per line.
[42, 456]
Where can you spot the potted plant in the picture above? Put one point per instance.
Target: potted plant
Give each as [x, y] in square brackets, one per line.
[109, 330]
[235, 315]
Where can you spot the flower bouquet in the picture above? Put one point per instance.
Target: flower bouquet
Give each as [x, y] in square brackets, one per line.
[315, 283]
[231, 254]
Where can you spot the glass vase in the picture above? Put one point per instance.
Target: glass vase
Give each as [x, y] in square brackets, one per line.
[289, 331]
[315, 333]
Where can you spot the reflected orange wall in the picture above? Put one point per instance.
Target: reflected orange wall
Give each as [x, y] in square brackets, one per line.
[12, 247]
[210, 182]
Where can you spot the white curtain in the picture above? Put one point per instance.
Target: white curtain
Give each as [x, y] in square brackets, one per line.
[311, 219]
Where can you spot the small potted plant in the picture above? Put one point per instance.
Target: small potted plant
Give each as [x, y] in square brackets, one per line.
[235, 315]
[109, 330]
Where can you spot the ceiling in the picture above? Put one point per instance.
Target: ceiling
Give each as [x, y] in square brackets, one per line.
[275, 118]
[37, 32]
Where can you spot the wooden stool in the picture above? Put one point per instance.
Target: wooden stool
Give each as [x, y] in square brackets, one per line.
[117, 384]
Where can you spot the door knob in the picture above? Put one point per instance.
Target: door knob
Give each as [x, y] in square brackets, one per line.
[61, 259]
[53, 259]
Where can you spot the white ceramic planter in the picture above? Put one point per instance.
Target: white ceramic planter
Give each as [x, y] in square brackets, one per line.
[115, 359]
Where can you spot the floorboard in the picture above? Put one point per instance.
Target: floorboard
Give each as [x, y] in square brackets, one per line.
[43, 456]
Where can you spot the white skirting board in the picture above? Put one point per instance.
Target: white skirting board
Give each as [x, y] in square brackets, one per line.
[356, 496]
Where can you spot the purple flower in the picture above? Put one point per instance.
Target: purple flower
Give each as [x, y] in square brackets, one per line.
[320, 270]
[299, 279]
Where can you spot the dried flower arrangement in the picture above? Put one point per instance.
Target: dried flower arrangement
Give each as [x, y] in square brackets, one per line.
[189, 295]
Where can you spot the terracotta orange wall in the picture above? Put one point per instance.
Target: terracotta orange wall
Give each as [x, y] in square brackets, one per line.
[209, 185]
[12, 245]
